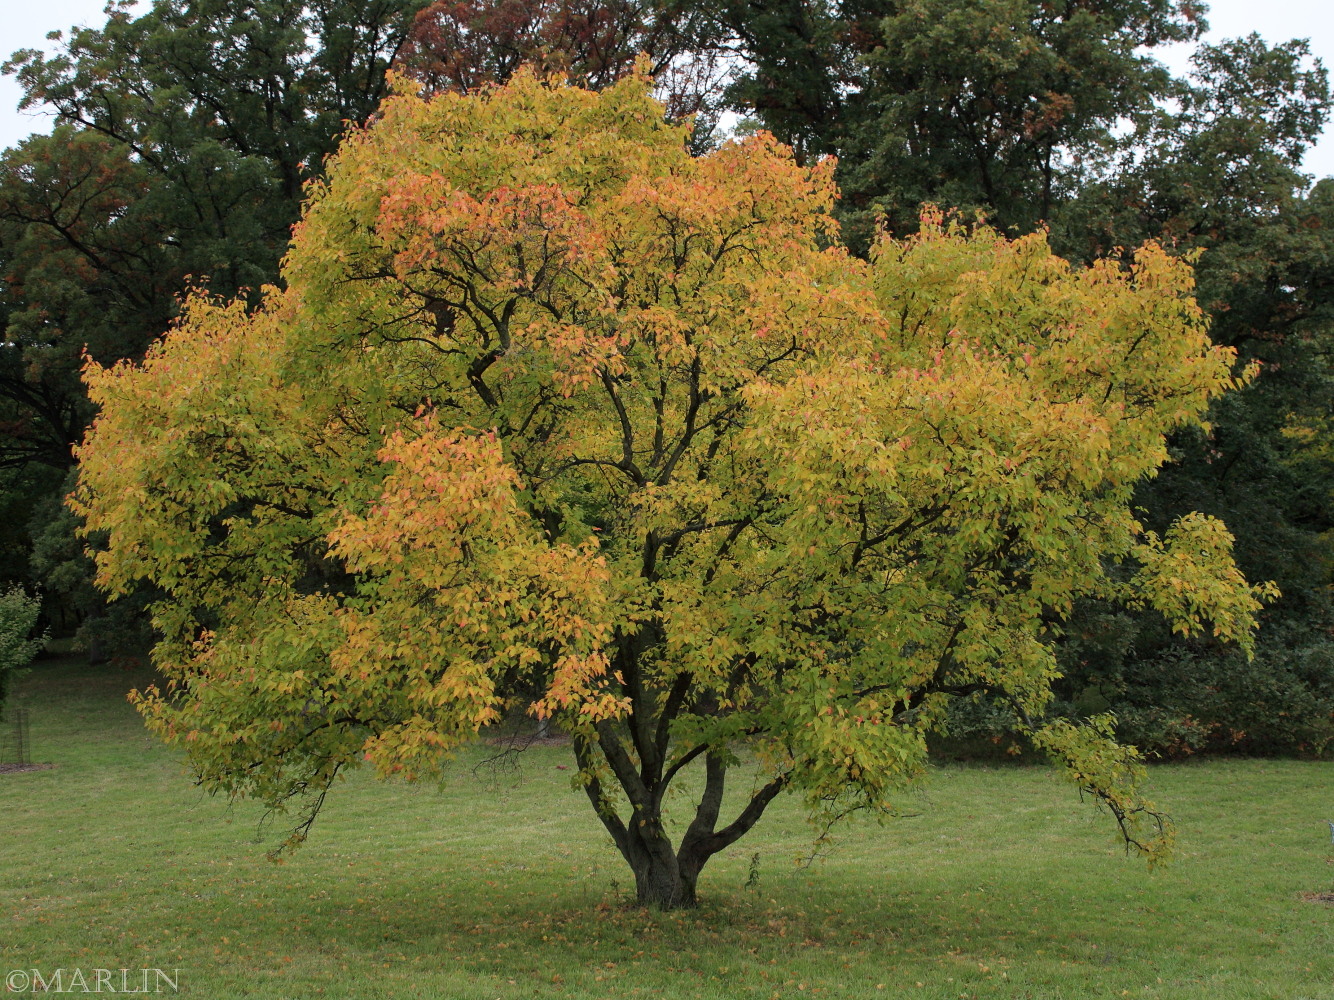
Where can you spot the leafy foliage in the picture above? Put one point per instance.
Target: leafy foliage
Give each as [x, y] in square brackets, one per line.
[465, 46]
[1221, 173]
[1002, 106]
[549, 404]
[18, 617]
[86, 271]
[185, 135]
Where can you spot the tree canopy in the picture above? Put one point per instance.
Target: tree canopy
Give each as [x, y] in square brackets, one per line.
[547, 404]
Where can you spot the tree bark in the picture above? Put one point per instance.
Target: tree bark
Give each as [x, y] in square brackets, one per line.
[666, 877]
[662, 882]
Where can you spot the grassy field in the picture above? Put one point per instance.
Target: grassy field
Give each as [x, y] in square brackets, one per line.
[1000, 884]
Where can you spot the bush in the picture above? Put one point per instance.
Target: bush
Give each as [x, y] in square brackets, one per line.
[1174, 698]
[18, 615]
[1189, 701]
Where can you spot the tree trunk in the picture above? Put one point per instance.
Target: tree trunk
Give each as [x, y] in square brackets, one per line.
[665, 884]
[662, 881]
[665, 878]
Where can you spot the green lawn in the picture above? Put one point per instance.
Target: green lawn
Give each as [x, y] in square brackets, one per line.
[999, 884]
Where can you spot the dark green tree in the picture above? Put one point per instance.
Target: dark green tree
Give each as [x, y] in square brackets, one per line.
[1221, 174]
[998, 106]
[229, 107]
[800, 60]
[185, 138]
[86, 268]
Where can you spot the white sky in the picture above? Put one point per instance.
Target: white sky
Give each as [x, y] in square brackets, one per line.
[25, 23]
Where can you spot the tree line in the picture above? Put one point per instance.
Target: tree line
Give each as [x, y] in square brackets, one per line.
[188, 135]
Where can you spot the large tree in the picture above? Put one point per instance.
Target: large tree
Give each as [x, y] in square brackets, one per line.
[465, 45]
[1000, 106]
[549, 404]
[86, 269]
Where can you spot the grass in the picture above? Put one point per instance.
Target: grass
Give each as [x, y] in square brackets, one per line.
[1001, 885]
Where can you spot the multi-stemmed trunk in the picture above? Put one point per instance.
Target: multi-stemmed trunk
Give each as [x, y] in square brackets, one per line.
[664, 878]
[667, 876]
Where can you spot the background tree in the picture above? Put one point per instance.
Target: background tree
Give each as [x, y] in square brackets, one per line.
[465, 46]
[546, 402]
[1221, 172]
[996, 106]
[797, 60]
[86, 269]
[991, 106]
[184, 138]
[18, 618]
[230, 105]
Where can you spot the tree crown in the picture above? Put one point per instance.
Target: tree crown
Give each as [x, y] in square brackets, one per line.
[551, 410]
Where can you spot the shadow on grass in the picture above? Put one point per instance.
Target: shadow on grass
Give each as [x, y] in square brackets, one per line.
[506, 887]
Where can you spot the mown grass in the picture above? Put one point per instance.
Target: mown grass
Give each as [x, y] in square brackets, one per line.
[998, 884]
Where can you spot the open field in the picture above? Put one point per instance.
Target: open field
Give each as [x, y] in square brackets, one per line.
[998, 884]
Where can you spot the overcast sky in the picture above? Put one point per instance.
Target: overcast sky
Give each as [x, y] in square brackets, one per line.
[24, 24]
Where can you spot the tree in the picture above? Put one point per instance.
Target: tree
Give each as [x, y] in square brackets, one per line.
[86, 270]
[549, 404]
[1005, 107]
[184, 138]
[18, 616]
[1002, 106]
[1221, 172]
[465, 45]
[797, 62]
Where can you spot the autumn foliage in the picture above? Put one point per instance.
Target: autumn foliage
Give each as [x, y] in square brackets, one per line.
[550, 411]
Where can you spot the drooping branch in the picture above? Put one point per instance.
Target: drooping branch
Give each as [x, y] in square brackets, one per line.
[602, 804]
[311, 813]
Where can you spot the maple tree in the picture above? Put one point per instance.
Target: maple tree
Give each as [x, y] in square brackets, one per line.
[548, 404]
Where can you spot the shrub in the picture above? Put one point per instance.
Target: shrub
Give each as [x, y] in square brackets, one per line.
[18, 615]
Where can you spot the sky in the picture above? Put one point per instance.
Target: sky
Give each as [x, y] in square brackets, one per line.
[24, 24]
